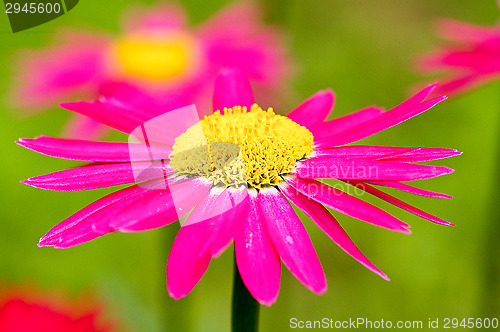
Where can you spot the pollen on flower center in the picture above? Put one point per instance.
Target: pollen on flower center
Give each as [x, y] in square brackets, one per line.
[241, 147]
[154, 57]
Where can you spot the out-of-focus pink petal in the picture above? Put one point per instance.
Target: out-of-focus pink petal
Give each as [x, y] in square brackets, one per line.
[345, 122]
[232, 88]
[82, 127]
[163, 16]
[465, 33]
[258, 262]
[406, 110]
[290, 239]
[236, 38]
[328, 224]
[410, 189]
[388, 198]
[314, 110]
[49, 76]
[92, 151]
[95, 176]
[365, 169]
[346, 204]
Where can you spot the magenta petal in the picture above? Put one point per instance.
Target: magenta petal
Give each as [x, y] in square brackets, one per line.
[96, 176]
[365, 169]
[388, 153]
[345, 122]
[314, 110]
[328, 224]
[258, 262]
[90, 150]
[232, 88]
[406, 110]
[158, 208]
[111, 113]
[228, 223]
[346, 204]
[416, 155]
[360, 152]
[78, 223]
[128, 210]
[186, 264]
[388, 198]
[410, 189]
[290, 239]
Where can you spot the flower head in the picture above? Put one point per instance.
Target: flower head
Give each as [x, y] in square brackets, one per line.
[157, 57]
[471, 56]
[22, 311]
[237, 173]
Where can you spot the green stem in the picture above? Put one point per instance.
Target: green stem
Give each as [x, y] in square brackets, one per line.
[245, 312]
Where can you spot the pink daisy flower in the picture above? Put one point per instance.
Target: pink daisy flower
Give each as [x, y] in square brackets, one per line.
[22, 311]
[157, 57]
[470, 56]
[282, 156]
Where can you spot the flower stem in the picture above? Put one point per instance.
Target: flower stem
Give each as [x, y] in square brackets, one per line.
[245, 311]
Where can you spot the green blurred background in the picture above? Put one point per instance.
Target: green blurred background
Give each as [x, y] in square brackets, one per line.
[363, 49]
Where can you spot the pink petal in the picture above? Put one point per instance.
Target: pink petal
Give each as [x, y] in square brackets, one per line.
[189, 257]
[328, 224]
[237, 38]
[345, 122]
[314, 110]
[232, 88]
[410, 189]
[128, 210]
[97, 176]
[236, 205]
[387, 153]
[258, 262]
[365, 169]
[406, 110]
[360, 152]
[156, 209]
[82, 127]
[92, 151]
[346, 204]
[111, 113]
[416, 155]
[397, 202]
[186, 265]
[290, 239]
[47, 77]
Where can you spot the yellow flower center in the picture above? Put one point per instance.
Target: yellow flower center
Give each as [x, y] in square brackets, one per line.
[241, 147]
[154, 57]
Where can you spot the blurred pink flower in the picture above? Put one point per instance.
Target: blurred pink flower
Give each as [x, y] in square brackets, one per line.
[158, 57]
[23, 311]
[282, 157]
[471, 56]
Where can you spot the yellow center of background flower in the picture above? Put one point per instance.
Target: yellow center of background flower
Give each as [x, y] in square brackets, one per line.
[241, 147]
[154, 57]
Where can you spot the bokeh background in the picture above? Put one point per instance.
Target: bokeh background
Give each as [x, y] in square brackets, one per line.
[363, 49]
